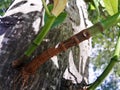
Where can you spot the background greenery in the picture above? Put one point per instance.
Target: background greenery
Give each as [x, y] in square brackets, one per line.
[4, 4]
[103, 45]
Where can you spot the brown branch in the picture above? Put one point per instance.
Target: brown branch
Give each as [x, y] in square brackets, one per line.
[74, 40]
[32, 67]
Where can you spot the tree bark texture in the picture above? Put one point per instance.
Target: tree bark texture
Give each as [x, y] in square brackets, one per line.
[66, 71]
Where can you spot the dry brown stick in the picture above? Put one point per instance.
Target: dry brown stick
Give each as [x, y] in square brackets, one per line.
[32, 67]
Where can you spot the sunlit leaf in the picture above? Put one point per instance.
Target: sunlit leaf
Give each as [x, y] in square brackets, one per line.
[111, 6]
[92, 6]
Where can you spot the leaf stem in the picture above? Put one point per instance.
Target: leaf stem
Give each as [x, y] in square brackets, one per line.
[111, 21]
[46, 8]
[40, 36]
[105, 24]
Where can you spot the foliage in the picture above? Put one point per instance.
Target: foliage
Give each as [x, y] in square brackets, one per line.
[104, 45]
[111, 6]
[4, 5]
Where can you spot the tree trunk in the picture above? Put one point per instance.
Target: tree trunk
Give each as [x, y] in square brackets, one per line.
[66, 71]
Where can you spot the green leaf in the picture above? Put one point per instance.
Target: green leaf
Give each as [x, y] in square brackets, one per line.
[92, 7]
[111, 6]
[58, 20]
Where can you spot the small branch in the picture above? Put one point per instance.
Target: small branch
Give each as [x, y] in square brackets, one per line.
[46, 9]
[111, 21]
[63, 46]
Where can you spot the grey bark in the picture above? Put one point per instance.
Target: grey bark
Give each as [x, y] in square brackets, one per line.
[49, 76]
